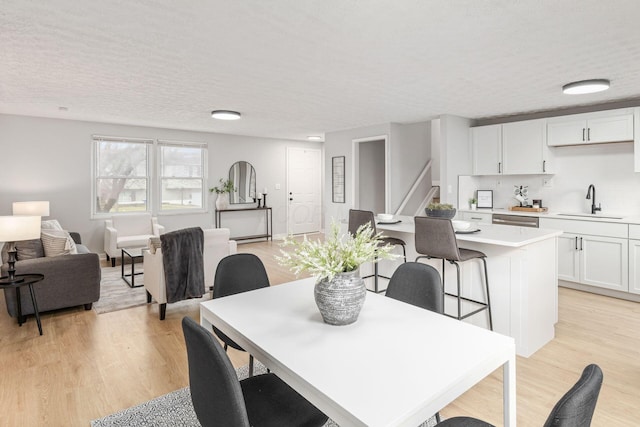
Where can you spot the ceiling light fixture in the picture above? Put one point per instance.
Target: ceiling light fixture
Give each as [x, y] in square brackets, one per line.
[225, 115]
[586, 86]
[314, 138]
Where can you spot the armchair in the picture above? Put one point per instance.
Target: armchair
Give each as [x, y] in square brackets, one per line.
[129, 231]
[216, 246]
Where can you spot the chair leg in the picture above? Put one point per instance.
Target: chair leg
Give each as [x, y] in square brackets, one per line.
[437, 417]
[486, 282]
[444, 288]
[250, 365]
[404, 253]
[459, 295]
[113, 262]
[163, 311]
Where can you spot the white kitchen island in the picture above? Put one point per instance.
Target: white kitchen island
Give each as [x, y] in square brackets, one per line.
[523, 278]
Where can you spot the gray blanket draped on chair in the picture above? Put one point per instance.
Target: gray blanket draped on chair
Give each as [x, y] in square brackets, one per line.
[183, 263]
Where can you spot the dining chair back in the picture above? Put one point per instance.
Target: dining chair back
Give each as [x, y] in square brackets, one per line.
[220, 399]
[238, 273]
[574, 409]
[358, 218]
[417, 284]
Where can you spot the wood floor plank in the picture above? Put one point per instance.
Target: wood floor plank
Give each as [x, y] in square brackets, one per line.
[87, 366]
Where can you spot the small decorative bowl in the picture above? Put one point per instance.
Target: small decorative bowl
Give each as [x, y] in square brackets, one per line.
[461, 225]
[385, 217]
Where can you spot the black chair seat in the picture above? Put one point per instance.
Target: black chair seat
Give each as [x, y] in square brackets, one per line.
[467, 254]
[392, 241]
[271, 402]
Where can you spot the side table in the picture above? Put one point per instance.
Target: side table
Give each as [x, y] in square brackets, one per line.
[133, 254]
[24, 280]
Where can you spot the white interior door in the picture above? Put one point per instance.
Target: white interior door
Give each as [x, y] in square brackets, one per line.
[304, 184]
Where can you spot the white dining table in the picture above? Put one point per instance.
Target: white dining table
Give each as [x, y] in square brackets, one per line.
[397, 365]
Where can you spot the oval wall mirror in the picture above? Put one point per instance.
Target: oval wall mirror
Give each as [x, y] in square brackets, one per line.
[243, 176]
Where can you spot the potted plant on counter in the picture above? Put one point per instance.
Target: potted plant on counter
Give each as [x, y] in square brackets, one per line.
[223, 190]
[441, 210]
[339, 291]
[473, 203]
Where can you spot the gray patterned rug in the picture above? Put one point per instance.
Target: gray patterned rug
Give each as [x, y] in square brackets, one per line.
[115, 294]
[175, 409]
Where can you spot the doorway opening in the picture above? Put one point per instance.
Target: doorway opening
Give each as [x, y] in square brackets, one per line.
[370, 179]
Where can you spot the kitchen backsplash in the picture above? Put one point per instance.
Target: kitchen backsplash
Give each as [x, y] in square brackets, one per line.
[609, 167]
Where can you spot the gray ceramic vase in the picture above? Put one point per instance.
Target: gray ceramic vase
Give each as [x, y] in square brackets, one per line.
[340, 299]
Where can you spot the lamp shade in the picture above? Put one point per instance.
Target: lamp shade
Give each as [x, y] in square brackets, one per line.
[16, 228]
[39, 208]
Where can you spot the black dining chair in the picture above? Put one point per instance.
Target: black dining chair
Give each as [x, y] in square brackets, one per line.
[357, 218]
[417, 284]
[220, 399]
[574, 409]
[238, 273]
[436, 238]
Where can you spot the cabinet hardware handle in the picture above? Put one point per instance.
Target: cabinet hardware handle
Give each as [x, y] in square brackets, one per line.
[475, 217]
[588, 134]
[576, 243]
[583, 134]
[544, 166]
[499, 167]
[581, 243]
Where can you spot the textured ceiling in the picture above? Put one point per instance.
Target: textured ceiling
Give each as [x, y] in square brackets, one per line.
[305, 67]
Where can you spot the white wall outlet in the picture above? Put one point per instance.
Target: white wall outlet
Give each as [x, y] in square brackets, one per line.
[277, 186]
[547, 182]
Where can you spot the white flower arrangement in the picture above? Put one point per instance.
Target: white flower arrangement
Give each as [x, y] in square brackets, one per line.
[336, 254]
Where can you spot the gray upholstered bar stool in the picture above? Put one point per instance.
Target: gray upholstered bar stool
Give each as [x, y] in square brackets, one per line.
[358, 218]
[435, 238]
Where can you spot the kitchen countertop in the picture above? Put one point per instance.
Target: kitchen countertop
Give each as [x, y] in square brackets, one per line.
[577, 216]
[492, 234]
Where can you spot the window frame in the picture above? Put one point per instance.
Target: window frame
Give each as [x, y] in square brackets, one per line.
[160, 177]
[96, 141]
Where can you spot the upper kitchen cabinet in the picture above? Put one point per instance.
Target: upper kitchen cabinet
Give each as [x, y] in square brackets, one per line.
[516, 148]
[591, 128]
[524, 148]
[486, 148]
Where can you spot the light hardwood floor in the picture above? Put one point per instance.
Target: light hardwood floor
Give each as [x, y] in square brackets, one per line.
[87, 366]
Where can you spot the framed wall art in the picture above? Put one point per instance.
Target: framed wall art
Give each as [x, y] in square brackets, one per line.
[337, 179]
[485, 198]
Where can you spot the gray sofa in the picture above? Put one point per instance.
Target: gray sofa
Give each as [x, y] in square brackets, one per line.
[69, 280]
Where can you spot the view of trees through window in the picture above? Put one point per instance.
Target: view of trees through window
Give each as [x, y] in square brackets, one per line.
[125, 180]
[122, 178]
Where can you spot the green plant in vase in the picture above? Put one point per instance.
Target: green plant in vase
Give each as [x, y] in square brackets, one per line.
[441, 210]
[222, 190]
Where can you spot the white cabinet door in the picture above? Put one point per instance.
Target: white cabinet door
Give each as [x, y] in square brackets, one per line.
[604, 262]
[569, 257]
[479, 217]
[610, 129]
[634, 266]
[566, 132]
[524, 147]
[486, 145]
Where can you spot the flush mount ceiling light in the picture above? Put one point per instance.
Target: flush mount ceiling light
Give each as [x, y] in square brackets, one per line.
[586, 86]
[225, 115]
[314, 138]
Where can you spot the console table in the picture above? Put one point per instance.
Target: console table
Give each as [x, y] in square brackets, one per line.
[268, 216]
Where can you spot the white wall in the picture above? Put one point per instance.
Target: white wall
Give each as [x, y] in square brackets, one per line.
[371, 175]
[50, 159]
[609, 167]
[455, 155]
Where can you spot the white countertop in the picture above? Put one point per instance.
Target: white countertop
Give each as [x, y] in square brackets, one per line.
[492, 234]
[577, 216]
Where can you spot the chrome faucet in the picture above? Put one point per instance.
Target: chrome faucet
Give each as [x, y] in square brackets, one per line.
[590, 190]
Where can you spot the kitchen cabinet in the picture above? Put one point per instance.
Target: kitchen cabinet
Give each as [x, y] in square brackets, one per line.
[479, 217]
[516, 148]
[591, 128]
[524, 148]
[592, 253]
[486, 149]
[634, 259]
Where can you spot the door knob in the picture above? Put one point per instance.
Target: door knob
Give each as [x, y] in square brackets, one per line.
[290, 198]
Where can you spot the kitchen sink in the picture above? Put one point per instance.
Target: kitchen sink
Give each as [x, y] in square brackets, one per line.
[590, 216]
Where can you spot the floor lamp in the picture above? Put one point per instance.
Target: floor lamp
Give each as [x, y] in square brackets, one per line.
[14, 229]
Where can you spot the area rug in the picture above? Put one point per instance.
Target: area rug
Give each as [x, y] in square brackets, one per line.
[176, 409]
[115, 294]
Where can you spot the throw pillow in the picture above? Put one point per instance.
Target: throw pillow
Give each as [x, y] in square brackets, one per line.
[54, 245]
[29, 249]
[51, 224]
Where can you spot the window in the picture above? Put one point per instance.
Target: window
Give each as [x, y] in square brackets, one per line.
[181, 176]
[121, 175]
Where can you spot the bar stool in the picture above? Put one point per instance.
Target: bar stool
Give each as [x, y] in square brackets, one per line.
[358, 218]
[435, 238]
